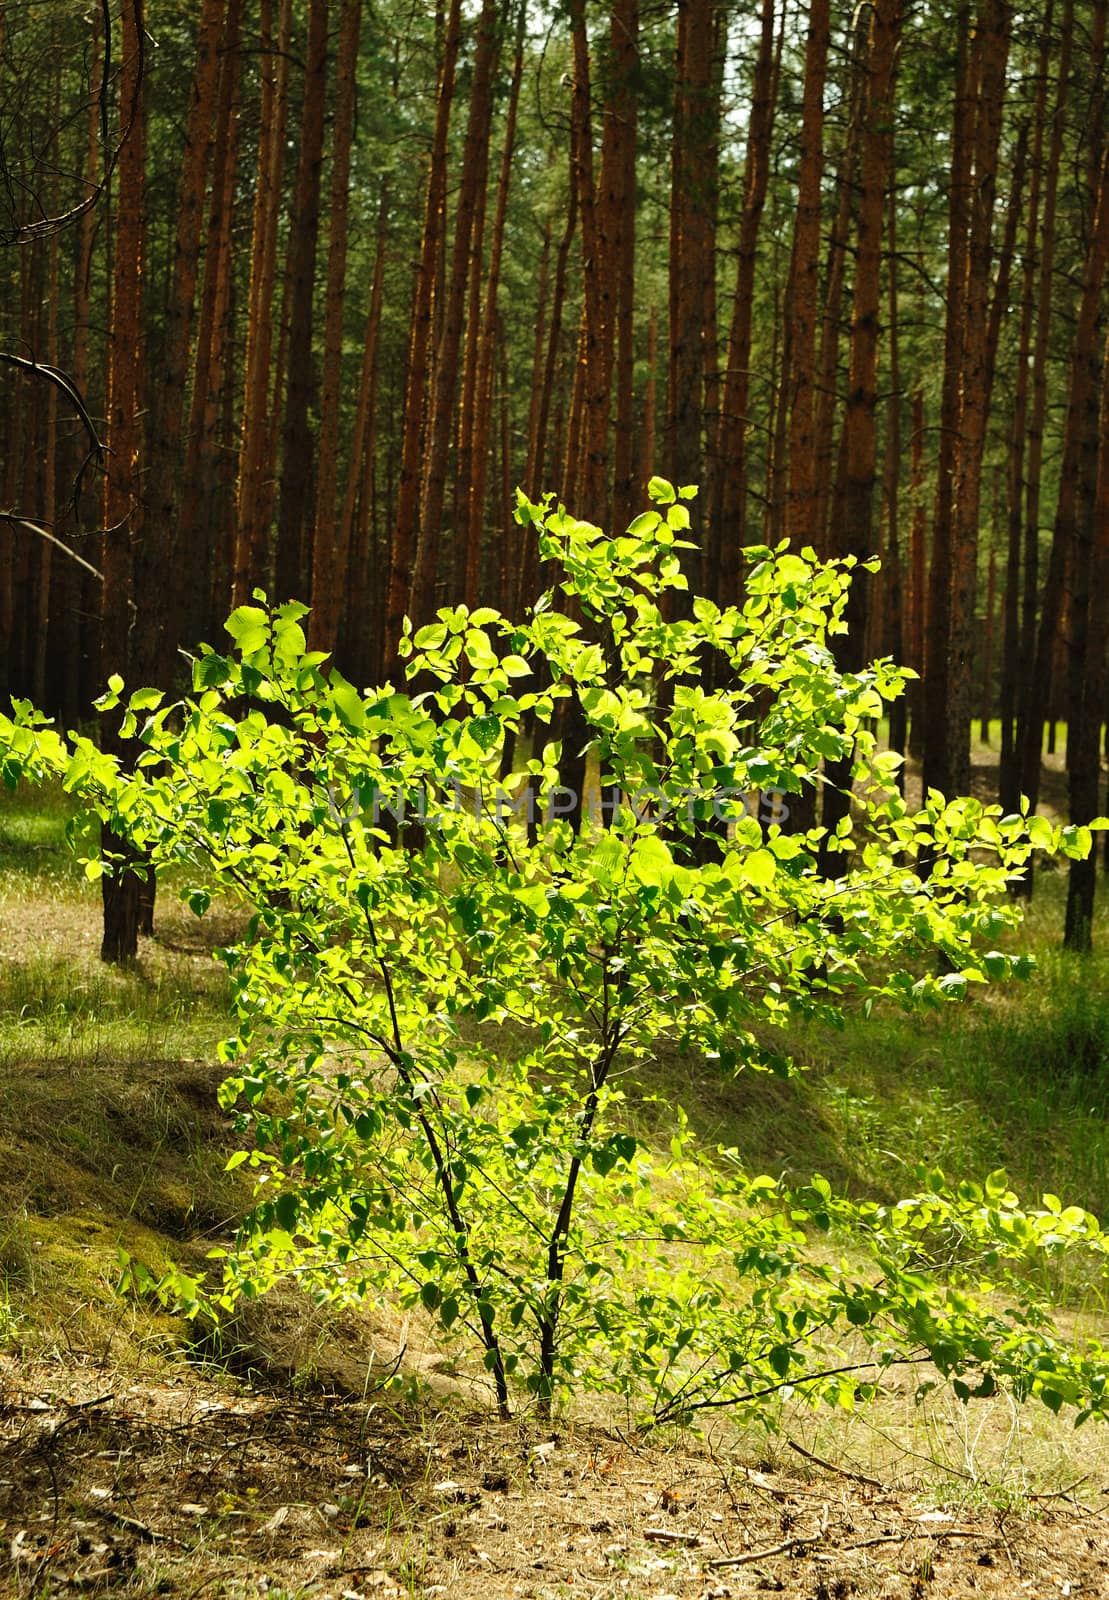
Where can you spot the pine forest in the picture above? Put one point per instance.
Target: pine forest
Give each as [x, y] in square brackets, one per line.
[294, 294]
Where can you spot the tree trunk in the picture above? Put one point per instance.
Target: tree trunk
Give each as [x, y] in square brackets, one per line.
[1086, 685]
[619, 160]
[250, 559]
[475, 166]
[692, 248]
[893, 588]
[474, 510]
[162, 549]
[586, 477]
[122, 501]
[1030, 705]
[976, 386]
[1009, 771]
[1079, 454]
[937, 773]
[199, 488]
[361, 634]
[538, 467]
[297, 452]
[406, 518]
[330, 544]
[728, 530]
[859, 457]
[802, 308]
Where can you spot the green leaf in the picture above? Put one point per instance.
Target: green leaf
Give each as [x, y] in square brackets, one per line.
[758, 868]
[485, 731]
[780, 1359]
[660, 490]
[651, 861]
[348, 703]
[249, 627]
[1041, 833]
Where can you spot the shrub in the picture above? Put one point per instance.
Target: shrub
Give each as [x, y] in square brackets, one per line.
[441, 1001]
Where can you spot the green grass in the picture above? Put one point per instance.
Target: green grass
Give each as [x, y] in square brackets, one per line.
[110, 1136]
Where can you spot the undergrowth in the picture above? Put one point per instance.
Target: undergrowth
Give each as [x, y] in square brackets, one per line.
[111, 1136]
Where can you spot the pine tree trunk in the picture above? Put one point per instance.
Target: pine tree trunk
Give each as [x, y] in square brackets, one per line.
[893, 587]
[859, 452]
[361, 632]
[937, 773]
[406, 518]
[199, 489]
[475, 166]
[1030, 703]
[330, 542]
[1079, 454]
[250, 558]
[586, 476]
[474, 509]
[546, 462]
[976, 385]
[162, 549]
[728, 532]
[802, 307]
[122, 502]
[692, 248]
[918, 568]
[297, 454]
[1087, 681]
[1009, 772]
[618, 169]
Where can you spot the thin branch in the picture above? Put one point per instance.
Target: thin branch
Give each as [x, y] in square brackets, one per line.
[43, 532]
[830, 1466]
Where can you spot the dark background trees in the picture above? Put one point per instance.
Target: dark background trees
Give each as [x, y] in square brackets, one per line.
[330, 280]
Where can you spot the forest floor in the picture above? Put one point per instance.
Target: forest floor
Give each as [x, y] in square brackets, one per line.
[134, 1462]
[187, 1487]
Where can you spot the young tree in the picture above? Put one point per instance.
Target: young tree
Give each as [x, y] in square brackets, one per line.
[432, 1043]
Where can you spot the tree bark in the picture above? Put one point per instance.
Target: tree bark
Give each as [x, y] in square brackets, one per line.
[1086, 699]
[976, 385]
[330, 543]
[162, 549]
[122, 500]
[859, 453]
[297, 455]
[802, 309]
[406, 518]
[728, 529]
[475, 166]
[1079, 454]
[250, 559]
[487, 341]
[692, 248]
